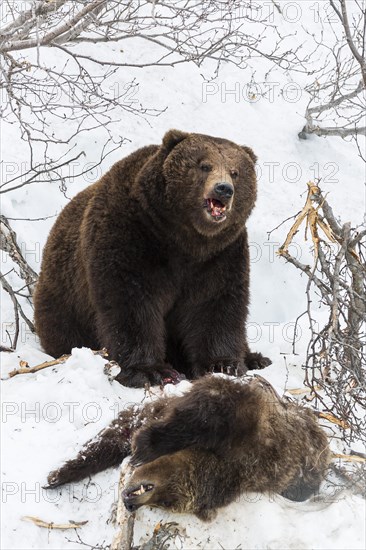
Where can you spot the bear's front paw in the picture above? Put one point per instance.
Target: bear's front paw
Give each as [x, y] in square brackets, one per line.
[256, 361]
[139, 376]
[55, 479]
[232, 367]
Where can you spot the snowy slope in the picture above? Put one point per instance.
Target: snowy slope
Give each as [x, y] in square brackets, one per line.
[47, 416]
[72, 402]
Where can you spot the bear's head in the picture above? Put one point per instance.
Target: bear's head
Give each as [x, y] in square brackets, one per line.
[205, 186]
[210, 182]
[168, 482]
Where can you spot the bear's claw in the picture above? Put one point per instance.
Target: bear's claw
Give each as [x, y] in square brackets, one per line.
[256, 361]
[139, 376]
[53, 480]
[227, 366]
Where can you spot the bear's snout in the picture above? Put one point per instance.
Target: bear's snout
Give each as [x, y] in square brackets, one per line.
[130, 507]
[224, 190]
[135, 496]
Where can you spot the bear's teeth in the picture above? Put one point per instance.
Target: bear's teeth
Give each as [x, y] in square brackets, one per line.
[142, 490]
[215, 207]
[218, 211]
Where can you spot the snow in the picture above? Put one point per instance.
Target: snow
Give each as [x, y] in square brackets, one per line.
[258, 522]
[47, 416]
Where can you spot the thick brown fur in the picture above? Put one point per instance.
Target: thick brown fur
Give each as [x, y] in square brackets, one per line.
[200, 451]
[136, 264]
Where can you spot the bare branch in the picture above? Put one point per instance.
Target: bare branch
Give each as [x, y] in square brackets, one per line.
[336, 354]
[22, 23]
[18, 310]
[354, 50]
[70, 28]
[26, 369]
[342, 132]
[334, 103]
[331, 111]
[8, 243]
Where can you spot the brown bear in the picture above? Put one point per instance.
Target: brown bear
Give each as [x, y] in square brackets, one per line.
[152, 263]
[200, 451]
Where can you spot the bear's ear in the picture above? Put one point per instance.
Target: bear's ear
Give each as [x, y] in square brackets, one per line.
[250, 152]
[172, 138]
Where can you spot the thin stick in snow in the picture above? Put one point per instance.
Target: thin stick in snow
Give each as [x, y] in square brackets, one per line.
[51, 525]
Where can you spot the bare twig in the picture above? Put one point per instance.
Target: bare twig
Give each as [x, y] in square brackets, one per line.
[354, 479]
[18, 310]
[51, 525]
[350, 458]
[8, 243]
[25, 369]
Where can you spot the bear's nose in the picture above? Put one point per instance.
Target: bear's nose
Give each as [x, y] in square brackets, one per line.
[129, 506]
[224, 189]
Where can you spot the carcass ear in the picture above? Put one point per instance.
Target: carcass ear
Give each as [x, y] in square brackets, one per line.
[250, 152]
[172, 138]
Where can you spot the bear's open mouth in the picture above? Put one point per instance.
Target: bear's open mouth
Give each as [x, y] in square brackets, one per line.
[215, 208]
[140, 490]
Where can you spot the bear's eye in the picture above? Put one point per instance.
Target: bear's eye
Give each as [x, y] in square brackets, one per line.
[234, 173]
[205, 167]
[166, 504]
